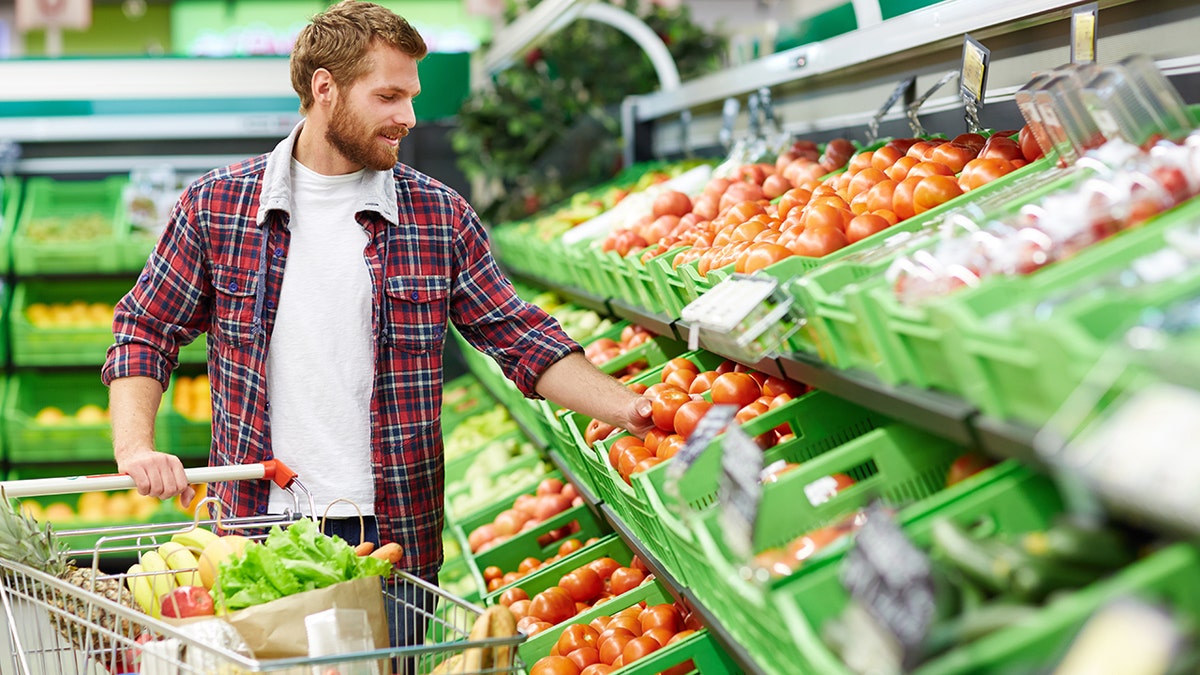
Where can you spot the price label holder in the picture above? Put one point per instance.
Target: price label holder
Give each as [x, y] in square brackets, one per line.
[740, 492]
[709, 427]
[972, 79]
[892, 580]
[1083, 33]
[745, 318]
[914, 124]
[906, 88]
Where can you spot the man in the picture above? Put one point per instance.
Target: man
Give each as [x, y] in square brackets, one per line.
[324, 274]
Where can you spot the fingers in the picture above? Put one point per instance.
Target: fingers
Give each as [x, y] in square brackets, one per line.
[186, 497]
[156, 474]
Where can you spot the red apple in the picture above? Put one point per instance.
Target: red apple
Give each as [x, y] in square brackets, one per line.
[187, 601]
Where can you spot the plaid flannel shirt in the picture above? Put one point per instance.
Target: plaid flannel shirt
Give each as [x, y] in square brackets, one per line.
[218, 268]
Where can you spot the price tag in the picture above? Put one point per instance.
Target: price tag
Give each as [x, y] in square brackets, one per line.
[740, 490]
[1083, 33]
[972, 78]
[713, 423]
[907, 87]
[893, 581]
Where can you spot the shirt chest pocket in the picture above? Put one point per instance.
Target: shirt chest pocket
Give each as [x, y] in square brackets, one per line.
[233, 305]
[416, 313]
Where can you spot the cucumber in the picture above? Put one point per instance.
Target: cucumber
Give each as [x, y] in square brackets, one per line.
[1081, 545]
[986, 562]
[1039, 577]
[973, 625]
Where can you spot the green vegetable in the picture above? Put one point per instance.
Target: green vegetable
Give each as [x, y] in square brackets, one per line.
[1080, 544]
[293, 560]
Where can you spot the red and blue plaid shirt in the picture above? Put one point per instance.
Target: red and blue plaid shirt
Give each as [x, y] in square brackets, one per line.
[218, 268]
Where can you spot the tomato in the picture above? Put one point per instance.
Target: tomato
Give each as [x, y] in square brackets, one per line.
[552, 605]
[804, 547]
[750, 411]
[639, 647]
[979, 172]
[934, 191]
[595, 431]
[885, 157]
[671, 202]
[584, 657]
[644, 465]
[880, 196]
[763, 254]
[860, 161]
[972, 140]
[688, 417]
[864, 226]
[554, 665]
[953, 155]
[507, 598]
[583, 584]
[1030, 150]
[569, 546]
[817, 242]
[577, 636]
[636, 387]
[671, 444]
[888, 215]
[921, 149]
[598, 669]
[661, 635]
[626, 579]
[611, 643]
[629, 623]
[923, 169]
[678, 363]
[681, 378]
[735, 388]
[630, 457]
[664, 615]
[865, 180]
[511, 577]
[901, 144]
[620, 445]
[604, 566]
[493, 572]
[902, 200]
[653, 438]
[663, 408]
[899, 170]
[775, 185]
[774, 386]
[1001, 147]
[509, 522]
[965, 466]
[791, 199]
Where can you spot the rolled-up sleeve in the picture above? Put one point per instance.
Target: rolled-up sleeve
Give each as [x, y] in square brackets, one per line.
[522, 338]
[165, 309]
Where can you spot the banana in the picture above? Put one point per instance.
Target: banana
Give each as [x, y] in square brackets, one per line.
[183, 561]
[160, 580]
[195, 539]
[139, 585]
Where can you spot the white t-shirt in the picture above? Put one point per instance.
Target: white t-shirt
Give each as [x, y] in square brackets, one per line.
[321, 361]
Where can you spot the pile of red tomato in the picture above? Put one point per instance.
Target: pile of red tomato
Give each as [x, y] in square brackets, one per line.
[577, 591]
[678, 403]
[551, 498]
[611, 642]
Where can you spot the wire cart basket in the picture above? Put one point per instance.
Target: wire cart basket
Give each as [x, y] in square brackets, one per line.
[86, 621]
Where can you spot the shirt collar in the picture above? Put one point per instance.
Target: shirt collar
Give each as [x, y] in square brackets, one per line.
[377, 191]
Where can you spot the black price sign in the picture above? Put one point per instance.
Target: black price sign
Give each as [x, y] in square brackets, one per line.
[713, 423]
[972, 78]
[892, 579]
[740, 490]
[1083, 33]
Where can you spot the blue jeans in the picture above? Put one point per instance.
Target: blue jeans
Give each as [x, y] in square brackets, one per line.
[408, 606]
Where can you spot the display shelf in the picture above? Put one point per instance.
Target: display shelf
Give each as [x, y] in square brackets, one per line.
[1007, 440]
[655, 323]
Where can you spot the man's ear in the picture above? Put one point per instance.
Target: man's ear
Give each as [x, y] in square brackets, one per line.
[323, 87]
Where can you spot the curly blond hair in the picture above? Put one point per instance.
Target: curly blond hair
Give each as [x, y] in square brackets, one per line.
[338, 40]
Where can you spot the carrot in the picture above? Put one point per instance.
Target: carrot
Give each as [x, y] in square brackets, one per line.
[391, 552]
[364, 548]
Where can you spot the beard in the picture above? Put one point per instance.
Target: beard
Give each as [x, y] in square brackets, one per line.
[359, 143]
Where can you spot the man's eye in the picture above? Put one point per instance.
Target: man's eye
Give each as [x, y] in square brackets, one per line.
[387, 97]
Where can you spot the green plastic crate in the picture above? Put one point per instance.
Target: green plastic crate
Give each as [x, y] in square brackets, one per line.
[700, 648]
[609, 546]
[10, 204]
[48, 198]
[67, 343]
[820, 421]
[996, 365]
[899, 464]
[67, 441]
[1023, 502]
[668, 282]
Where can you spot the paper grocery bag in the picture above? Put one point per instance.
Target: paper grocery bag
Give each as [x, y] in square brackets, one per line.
[276, 629]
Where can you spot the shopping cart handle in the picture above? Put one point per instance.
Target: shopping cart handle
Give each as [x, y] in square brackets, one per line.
[273, 470]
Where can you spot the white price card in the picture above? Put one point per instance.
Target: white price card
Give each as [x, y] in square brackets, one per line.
[972, 79]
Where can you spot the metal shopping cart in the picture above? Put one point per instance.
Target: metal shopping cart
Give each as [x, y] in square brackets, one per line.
[83, 619]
